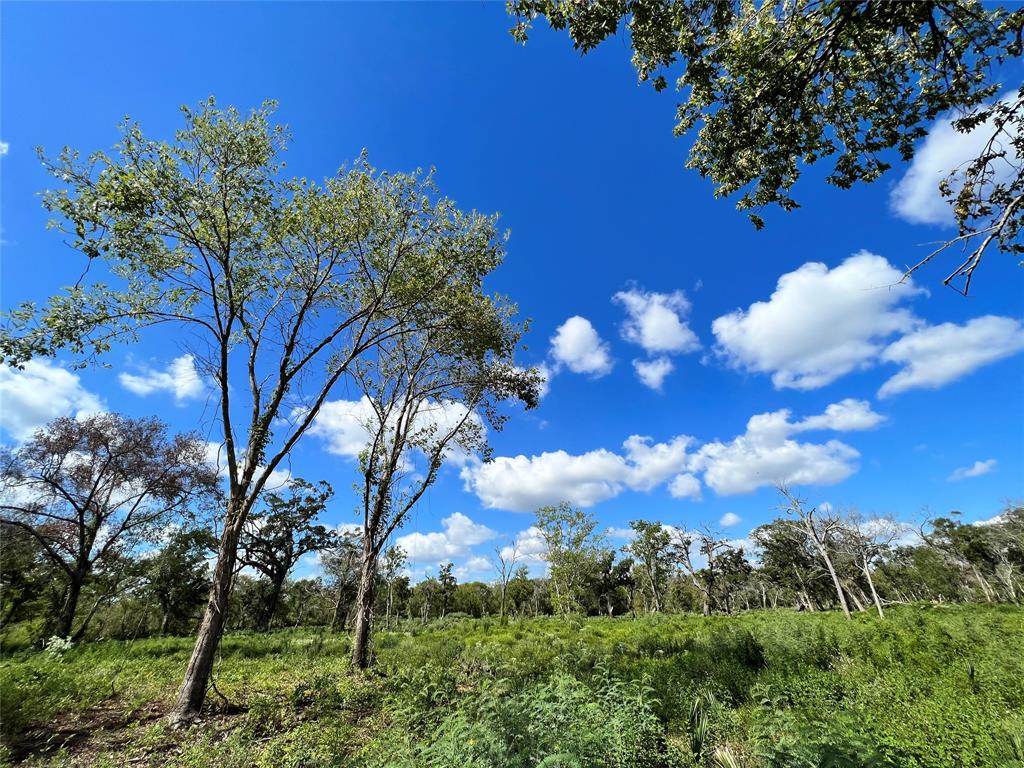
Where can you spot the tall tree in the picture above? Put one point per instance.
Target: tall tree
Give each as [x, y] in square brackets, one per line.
[274, 539]
[821, 528]
[771, 86]
[572, 548]
[505, 566]
[652, 551]
[446, 585]
[91, 490]
[277, 285]
[429, 395]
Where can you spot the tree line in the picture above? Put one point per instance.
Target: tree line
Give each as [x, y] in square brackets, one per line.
[110, 531]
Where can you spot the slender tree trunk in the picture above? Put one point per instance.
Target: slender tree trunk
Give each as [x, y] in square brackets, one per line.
[874, 593]
[856, 600]
[364, 609]
[197, 675]
[835, 578]
[984, 584]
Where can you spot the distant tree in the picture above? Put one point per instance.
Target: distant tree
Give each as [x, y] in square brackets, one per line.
[821, 528]
[788, 561]
[614, 583]
[520, 591]
[274, 539]
[572, 549]
[178, 577]
[505, 559]
[446, 584]
[651, 549]
[26, 574]
[704, 579]
[342, 565]
[394, 562]
[94, 489]
[776, 85]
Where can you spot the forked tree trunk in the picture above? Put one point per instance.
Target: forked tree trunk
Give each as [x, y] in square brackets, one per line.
[197, 675]
[364, 610]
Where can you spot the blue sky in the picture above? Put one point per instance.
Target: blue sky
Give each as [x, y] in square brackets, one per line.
[581, 163]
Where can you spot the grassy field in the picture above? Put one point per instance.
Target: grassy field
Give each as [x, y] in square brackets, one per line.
[941, 687]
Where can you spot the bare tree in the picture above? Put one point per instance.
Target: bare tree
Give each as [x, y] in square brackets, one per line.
[505, 559]
[91, 490]
[820, 528]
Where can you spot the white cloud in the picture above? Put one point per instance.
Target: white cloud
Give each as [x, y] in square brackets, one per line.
[529, 546]
[937, 355]
[653, 372]
[656, 321]
[730, 519]
[523, 484]
[819, 324]
[459, 534]
[977, 469]
[345, 425]
[916, 197]
[4, 148]
[580, 348]
[766, 454]
[38, 394]
[216, 458]
[685, 486]
[180, 379]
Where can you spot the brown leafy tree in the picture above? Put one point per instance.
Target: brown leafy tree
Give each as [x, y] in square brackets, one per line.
[90, 491]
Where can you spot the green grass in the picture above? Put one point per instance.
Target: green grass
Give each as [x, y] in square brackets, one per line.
[930, 687]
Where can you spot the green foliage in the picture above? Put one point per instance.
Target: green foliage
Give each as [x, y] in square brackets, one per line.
[929, 687]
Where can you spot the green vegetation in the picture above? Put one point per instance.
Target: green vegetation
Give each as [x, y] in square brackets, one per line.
[930, 686]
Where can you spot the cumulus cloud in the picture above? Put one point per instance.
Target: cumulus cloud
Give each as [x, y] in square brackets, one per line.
[4, 148]
[977, 469]
[653, 372]
[767, 454]
[655, 321]
[939, 354]
[38, 394]
[528, 546]
[685, 486]
[345, 425]
[579, 347]
[730, 519]
[524, 483]
[216, 458]
[916, 197]
[819, 324]
[180, 378]
[459, 534]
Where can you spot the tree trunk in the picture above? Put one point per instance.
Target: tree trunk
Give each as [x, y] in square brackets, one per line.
[364, 609]
[874, 594]
[835, 578]
[66, 617]
[270, 606]
[163, 623]
[197, 675]
[856, 600]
